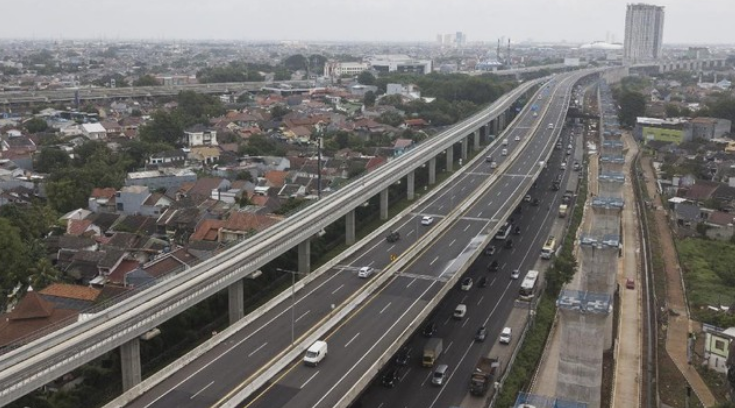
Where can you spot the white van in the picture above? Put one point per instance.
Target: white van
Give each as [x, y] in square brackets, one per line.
[505, 142]
[460, 311]
[316, 353]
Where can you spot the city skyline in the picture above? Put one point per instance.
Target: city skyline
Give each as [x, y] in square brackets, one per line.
[571, 21]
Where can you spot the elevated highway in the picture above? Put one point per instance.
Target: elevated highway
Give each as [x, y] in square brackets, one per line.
[471, 207]
[37, 362]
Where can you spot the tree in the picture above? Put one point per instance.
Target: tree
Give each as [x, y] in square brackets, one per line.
[632, 105]
[43, 274]
[146, 80]
[390, 118]
[50, 158]
[279, 111]
[163, 128]
[35, 125]
[296, 62]
[197, 107]
[13, 256]
[369, 98]
[366, 78]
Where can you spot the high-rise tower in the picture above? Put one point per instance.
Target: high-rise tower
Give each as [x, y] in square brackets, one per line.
[644, 30]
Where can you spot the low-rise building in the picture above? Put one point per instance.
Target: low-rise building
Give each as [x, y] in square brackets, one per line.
[710, 128]
[164, 178]
[675, 130]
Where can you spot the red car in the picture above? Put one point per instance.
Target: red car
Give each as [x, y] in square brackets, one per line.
[630, 283]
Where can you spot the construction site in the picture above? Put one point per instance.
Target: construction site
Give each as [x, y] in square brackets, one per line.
[571, 371]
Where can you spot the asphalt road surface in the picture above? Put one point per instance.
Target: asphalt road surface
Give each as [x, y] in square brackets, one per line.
[360, 340]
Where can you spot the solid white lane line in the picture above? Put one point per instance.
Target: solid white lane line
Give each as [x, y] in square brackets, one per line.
[352, 339]
[307, 381]
[200, 391]
[257, 349]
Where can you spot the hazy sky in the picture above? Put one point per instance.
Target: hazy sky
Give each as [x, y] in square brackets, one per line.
[690, 21]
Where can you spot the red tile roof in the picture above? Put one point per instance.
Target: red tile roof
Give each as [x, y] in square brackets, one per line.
[118, 274]
[77, 227]
[276, 178]
[103, 193]
[66, 290]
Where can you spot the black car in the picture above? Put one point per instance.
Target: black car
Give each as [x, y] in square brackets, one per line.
[391, 376]
[517, 231]
[429, 329]
[393, 236]
[509, 244]
[493, 267]
[403, 356]
[535, 202]
[482, 282]
[481, 334]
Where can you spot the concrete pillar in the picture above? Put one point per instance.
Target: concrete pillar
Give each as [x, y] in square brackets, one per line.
[305, 257]
[450, 158]
[464, 144]
[236, 300]
[410, 180]
[384, 204]
[501, 123]
[476, 140]
[432, 170]
[130, 363]
[494, 127]
[350, 227]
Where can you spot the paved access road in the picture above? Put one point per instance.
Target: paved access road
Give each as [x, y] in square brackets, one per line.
[362, 338]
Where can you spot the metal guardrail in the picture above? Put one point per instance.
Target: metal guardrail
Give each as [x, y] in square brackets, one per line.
[49, 357]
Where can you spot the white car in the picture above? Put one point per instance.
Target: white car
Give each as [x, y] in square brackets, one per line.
[515, 274]
[504, 152]
[427, 220]
[365, 272]
[466, 284]
[517, 139]
[505, 336]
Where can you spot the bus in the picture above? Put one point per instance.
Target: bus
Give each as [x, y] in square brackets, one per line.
[528, 286]
[504, 231]
[549, 248]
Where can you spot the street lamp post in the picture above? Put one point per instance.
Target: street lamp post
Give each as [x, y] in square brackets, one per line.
[293, 300]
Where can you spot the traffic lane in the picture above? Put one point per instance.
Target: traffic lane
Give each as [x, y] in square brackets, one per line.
[530, 247]
[462, 360]
[215, 375]
[333, 285]
[345, 363]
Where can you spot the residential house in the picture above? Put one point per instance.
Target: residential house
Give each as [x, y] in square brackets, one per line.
[164, 178]
[31, 315]
[72, 297]
[204, 155]
[199, 135]
[718, 344]
[112, 127]
[237, 226]
[102, 200]
[169, 158]
[720, 225]
[94, 131]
